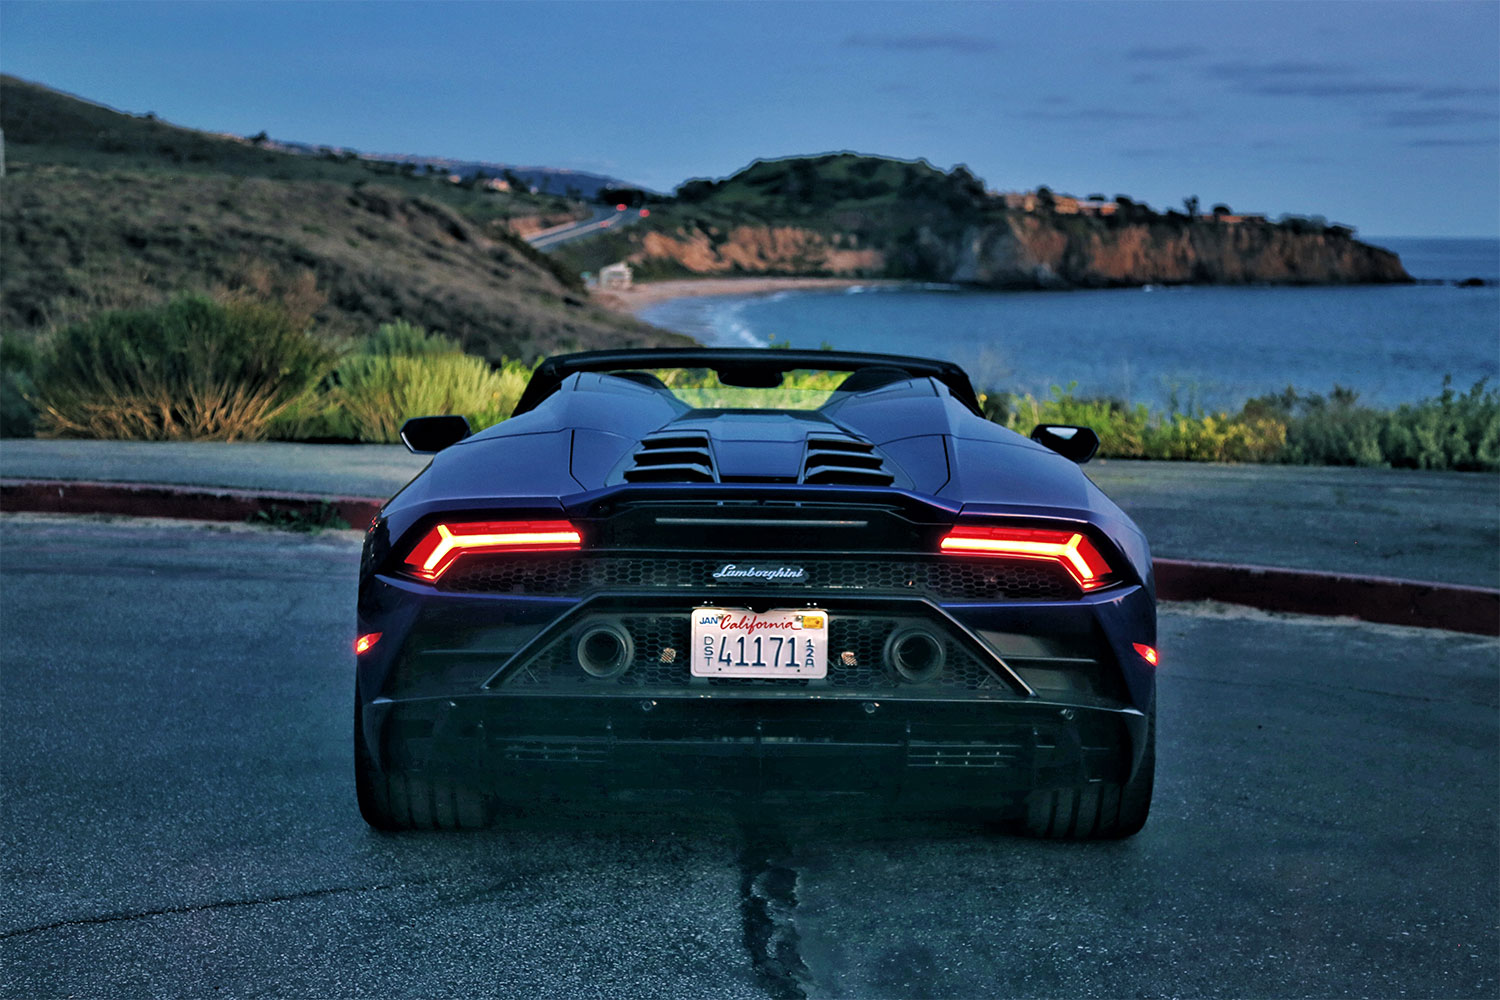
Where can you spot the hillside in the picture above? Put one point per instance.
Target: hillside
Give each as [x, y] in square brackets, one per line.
[104, 209]
[861, 216]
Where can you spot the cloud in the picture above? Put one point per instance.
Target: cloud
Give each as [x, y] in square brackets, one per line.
[1329, 88]
[967, 44]
[1429, 117]
[1301, 78]
[1451, 143]
[1101, 114]
[1280, 69]
[1163, 53]
[1449, 93]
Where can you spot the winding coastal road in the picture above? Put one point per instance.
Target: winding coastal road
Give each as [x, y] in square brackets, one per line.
[604, 218]
[177, 818]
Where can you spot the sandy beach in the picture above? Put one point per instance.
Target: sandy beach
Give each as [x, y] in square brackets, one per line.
[643, 296]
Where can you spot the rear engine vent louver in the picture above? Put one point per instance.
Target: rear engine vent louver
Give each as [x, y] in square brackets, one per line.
[843, 461]
[673, 458]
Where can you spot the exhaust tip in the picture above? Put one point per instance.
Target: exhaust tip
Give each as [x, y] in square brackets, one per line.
[604, 651]
[917, 654]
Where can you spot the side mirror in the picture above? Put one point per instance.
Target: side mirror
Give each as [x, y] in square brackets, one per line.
[1077, 443]
[430, 435]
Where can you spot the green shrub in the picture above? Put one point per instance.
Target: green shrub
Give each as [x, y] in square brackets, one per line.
[1451, 431]
[406, 340]
[1121, 429]
[399, 372]
[191, 369]
[1135, 432]
[1215, 438]
[18, 363]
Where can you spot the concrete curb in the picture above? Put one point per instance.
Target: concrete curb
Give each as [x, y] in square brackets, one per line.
[1370, 598]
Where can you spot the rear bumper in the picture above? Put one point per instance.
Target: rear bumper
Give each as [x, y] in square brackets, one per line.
[918, 753]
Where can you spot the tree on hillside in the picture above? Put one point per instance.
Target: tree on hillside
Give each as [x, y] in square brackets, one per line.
[1191, 204]
[1221, 209]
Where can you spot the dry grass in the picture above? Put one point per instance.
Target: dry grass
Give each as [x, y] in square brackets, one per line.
[76, 242]
[191, 370]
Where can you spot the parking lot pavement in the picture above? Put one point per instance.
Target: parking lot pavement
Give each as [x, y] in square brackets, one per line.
[370, 470]
[177, 816]
[1442, 526]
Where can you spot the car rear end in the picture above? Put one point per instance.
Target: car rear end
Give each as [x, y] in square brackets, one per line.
[998, 664]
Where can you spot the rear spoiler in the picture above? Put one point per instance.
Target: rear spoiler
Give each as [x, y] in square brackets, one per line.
[742, 362]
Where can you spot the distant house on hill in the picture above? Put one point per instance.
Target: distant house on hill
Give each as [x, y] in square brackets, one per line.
[615, 277]
[1062, 204]
[496, 184]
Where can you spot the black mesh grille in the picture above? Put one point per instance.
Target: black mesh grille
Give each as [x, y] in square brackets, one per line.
[940, 578]
[856, 662]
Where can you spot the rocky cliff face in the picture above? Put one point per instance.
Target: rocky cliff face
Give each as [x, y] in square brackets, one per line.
[1035, 251]
[762, 250]
[1030, 250]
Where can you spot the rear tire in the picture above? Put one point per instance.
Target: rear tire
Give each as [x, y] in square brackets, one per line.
[401, 800]
[1099, 811]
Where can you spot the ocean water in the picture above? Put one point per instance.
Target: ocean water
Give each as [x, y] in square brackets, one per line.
[1209, 347]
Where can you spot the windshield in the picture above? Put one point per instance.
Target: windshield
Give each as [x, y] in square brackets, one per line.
[700, 388]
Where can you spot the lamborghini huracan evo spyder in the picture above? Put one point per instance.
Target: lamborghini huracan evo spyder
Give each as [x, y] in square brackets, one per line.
[755, 576]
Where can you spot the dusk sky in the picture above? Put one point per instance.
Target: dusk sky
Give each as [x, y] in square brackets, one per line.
[1385, 116]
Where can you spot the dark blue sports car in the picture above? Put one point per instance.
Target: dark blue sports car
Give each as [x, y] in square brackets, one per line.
[755, 575]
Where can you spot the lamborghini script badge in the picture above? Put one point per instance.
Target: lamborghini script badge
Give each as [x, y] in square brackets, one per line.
[759, 572]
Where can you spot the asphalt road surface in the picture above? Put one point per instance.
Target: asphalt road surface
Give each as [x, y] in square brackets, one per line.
[178, 819]
[603, 219]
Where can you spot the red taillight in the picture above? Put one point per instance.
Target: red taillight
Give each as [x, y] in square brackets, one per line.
[365, 642]
[1147, 653]
[1070, 549]
[441, 547]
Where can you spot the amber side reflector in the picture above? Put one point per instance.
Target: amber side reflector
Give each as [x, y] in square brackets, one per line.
[441, 547]
[1070, 549]
[1147, 653]
[365, 642]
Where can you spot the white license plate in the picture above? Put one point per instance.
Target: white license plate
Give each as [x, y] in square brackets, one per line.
[785, 643]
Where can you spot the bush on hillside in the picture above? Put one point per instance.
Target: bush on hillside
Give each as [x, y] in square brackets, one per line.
[402, 371]
[18, 361]
[191, 369]
[1450, 431]
[1135, 432]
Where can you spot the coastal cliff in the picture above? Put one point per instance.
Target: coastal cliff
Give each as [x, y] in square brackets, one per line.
[867, 217]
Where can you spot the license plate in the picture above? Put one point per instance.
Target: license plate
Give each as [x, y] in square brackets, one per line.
[785, 643]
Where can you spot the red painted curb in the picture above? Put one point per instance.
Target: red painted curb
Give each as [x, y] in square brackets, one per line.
[1386, 600]
[196, 503]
